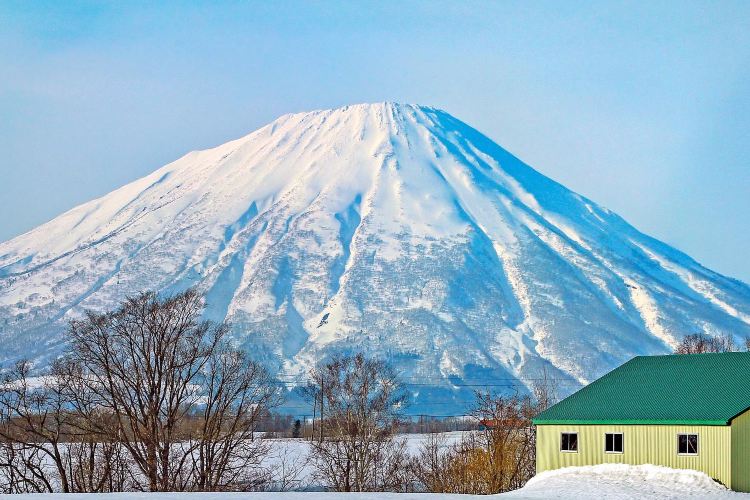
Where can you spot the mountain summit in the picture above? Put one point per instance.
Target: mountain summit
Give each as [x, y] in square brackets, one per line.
[392, 229]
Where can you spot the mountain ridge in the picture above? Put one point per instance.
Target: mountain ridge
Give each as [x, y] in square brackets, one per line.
[390, 228]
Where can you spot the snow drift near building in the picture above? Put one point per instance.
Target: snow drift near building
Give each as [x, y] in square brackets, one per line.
[621, 481]
[394, 229]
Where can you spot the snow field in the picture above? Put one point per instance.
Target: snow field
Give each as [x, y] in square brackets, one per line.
[608, 481]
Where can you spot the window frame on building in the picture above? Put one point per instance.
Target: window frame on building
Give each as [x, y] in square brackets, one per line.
[562, 442]
[614, 442]
[687, 435]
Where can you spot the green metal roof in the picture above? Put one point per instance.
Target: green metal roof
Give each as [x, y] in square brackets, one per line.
[698, 389]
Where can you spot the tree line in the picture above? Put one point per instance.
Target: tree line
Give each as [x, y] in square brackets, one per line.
[150, 397]
[700, 343]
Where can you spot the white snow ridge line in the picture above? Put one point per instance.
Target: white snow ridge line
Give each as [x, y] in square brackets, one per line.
[461, 253]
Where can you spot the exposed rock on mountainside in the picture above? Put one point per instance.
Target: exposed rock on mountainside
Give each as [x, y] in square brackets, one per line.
[394, 229]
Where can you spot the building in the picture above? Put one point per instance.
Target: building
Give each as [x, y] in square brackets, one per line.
[687, 411]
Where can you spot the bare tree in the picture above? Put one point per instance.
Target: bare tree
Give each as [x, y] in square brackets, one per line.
[430, 467]
[287, 468]
[45, 446]
[699, 343]
[23, 468]
[97, 466]
[237, 393]
[177, 398]
[545, 391]
[33, 422]
[500, 456]
[360, 401]
[508, 440]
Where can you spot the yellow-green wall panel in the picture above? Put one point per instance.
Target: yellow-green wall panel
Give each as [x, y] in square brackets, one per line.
[642, 444]
[741, 453]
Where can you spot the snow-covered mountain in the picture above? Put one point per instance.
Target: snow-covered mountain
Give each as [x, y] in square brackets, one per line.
[393, 229]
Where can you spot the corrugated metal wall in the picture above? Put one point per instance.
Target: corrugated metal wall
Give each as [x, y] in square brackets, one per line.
[642, 444]
[741, 453]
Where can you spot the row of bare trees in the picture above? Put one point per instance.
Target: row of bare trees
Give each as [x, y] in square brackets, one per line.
[499, 457]
[362, 401]
[699, 343]
[149, 397]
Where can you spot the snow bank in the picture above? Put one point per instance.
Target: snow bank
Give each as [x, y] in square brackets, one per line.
[621, 481]
[608, 481]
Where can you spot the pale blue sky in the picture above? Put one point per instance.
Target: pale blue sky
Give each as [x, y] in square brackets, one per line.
[642, 106]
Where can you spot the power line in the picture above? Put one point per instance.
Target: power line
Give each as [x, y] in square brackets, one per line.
[530, 379]
[441, 383]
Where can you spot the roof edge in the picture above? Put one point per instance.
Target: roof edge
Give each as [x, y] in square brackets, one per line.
[739, 414]
[631, 422]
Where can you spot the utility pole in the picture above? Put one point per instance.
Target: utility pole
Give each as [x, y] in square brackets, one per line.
[321, 408]
[312, 433]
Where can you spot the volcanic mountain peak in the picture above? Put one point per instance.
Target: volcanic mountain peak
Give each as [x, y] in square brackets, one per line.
[393, 229]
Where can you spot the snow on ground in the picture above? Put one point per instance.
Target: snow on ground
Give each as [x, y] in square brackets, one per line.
[608, 481]
[289, 461]
[621, 481]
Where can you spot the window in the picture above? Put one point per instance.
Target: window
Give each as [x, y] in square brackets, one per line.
[687, 444]
[569, 442]
[613, 442]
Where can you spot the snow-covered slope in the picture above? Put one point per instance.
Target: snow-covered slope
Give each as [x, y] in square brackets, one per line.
[394, 229]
